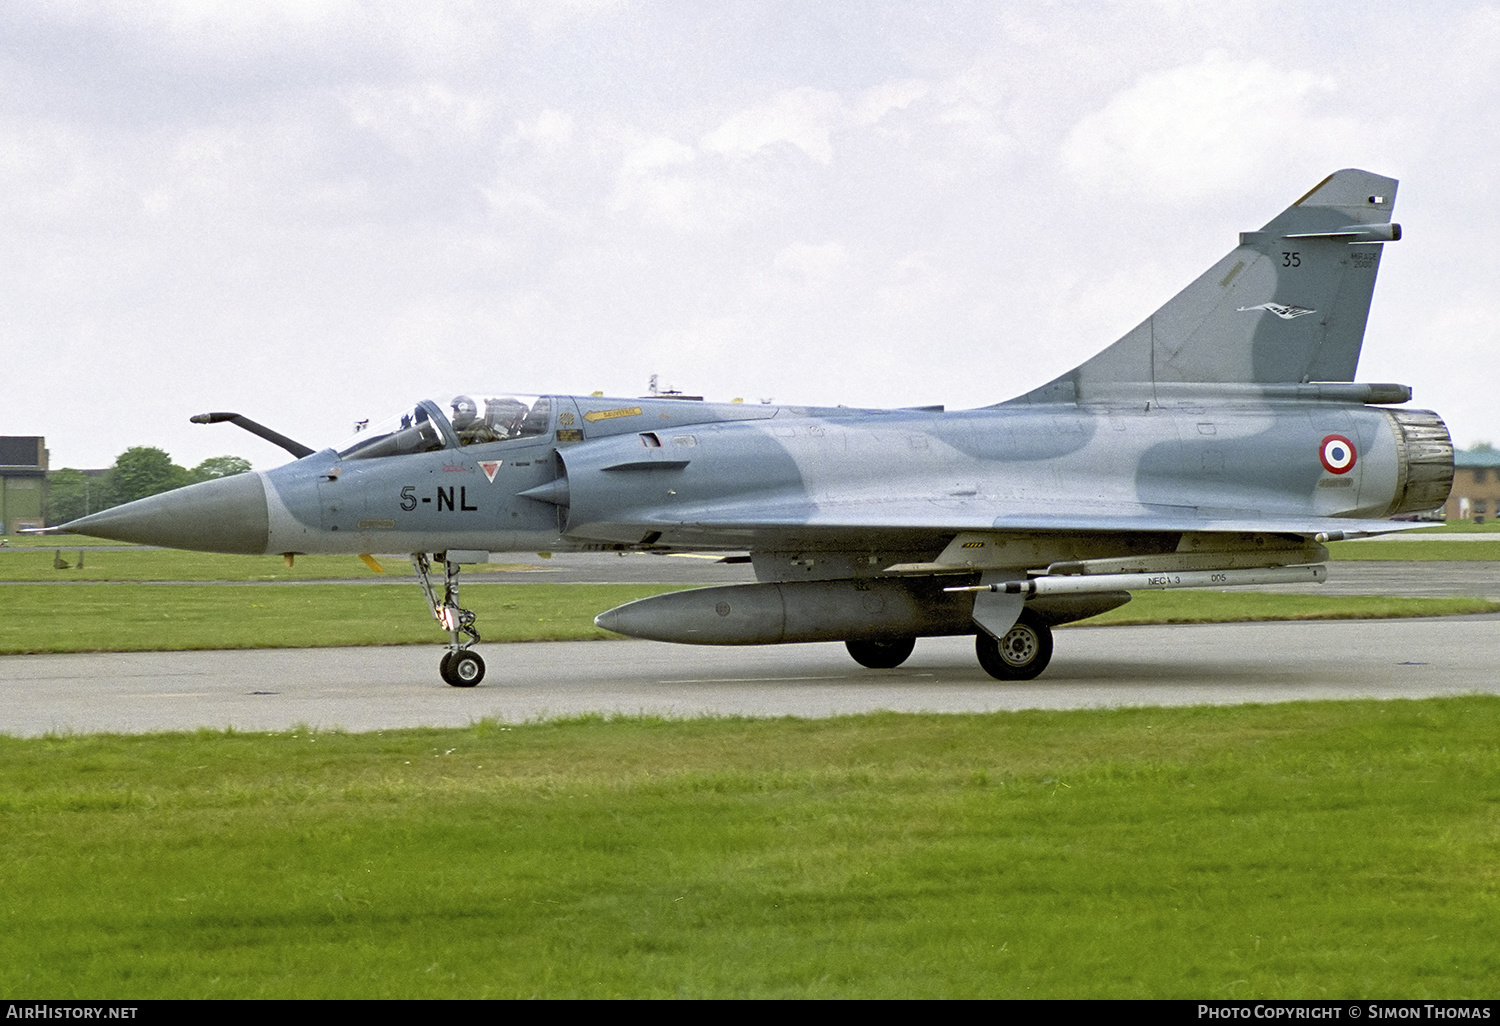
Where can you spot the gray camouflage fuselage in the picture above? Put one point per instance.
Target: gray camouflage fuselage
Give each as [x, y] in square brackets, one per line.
[1223, 433]
[794, 479]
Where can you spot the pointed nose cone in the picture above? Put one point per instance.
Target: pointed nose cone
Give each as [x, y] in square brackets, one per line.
[225, 515]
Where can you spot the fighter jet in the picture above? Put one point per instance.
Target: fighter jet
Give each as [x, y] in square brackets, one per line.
[1219, 443]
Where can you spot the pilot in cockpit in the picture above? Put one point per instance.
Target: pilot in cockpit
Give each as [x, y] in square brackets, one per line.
[504, 416]
[501, 420]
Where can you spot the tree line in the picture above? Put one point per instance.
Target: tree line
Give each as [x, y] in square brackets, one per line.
[137, 472]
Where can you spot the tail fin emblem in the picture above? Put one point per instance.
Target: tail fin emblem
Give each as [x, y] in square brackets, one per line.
[1286, 313]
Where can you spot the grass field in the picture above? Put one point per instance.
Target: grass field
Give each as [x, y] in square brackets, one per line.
[52, 541]
[1416, 551]
[1328, 850]
[147, 564]
[32, 562]
[1462, 526]
[153, 617]
[132, 614]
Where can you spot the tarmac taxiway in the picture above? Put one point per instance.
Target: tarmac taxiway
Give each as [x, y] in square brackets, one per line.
[362, 689]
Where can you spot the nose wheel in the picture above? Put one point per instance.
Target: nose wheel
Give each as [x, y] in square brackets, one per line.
[462, 669]
[459, 667]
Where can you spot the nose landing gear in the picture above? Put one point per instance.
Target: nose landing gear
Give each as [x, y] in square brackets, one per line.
[460, 667]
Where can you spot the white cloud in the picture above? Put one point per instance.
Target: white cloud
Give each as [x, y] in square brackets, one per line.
[1206, 128]
[555, 15]
[192, 15]
[550, 131]
[1426, 344]
[801, 117]
[412, 116]
[668, 184]
[811, 264]
[232, 30]
[878, 101]
[652, 181]
[512, 203]
[971, 106]
[806, 119]
[655, 153]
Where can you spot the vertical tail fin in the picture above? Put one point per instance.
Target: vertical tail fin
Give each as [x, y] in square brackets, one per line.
[1287, 306]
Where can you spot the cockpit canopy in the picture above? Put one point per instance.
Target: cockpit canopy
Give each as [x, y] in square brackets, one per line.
[470, 418]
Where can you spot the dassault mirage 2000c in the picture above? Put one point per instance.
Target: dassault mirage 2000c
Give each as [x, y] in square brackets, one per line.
[1221, 442]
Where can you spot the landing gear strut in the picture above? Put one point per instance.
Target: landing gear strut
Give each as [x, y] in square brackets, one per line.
[460, 667]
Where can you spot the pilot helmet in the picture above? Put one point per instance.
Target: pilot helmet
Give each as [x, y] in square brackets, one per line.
[465, 412]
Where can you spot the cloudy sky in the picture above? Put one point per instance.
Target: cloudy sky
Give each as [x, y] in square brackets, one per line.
[316, 211]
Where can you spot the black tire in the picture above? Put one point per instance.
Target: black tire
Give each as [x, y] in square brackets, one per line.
[881, 655]
[465, 669]
[1022, 654]
[443, 668]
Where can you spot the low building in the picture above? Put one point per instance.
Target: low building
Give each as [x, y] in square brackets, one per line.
[23, 482]
[1476, 485]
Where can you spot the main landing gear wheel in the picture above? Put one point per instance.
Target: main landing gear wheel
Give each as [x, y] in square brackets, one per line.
[462, 669]
[1022, 654]
[881, 655]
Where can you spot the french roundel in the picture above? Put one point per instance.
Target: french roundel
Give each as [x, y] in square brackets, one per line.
[1337, 454]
